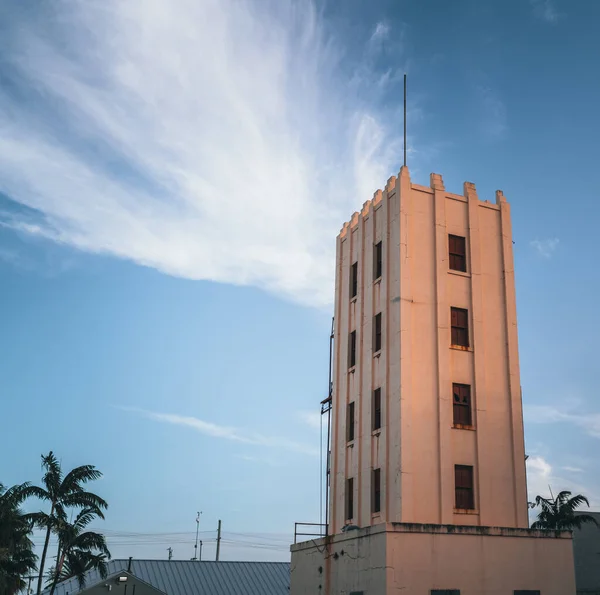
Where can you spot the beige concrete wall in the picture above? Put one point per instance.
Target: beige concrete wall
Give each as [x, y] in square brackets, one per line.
[479, 564]
[352, 565]
[413, 559]
[417, 447]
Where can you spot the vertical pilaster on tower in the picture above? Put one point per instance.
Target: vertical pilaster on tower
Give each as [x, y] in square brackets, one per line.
[436, 182]
[469, 190]
[390, 187]
[500, 198]
[377, 196]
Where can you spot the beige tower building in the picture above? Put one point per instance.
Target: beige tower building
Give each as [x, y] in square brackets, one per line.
[427, 475]
[427, 420]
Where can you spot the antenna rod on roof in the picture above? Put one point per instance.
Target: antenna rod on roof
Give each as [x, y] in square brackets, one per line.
[405, 120]
[218, 540]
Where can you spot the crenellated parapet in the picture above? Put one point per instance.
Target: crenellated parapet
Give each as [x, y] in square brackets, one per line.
[436, 184]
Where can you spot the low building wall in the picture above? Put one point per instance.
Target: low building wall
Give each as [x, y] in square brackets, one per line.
[411, 559]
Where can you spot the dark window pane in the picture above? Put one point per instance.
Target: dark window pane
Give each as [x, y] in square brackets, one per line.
[376, 490]
[354, 280]
[459, 323]
[377, 333]
[349, 498]
[377, 409]
[445, 591]
[525, 592]
[463, 487]
[350, 422]
[458, 253]
[461, 402]
[378, 260]
[352, 349]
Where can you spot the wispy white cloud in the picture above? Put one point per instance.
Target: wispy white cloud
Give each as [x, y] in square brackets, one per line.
[572, 469]
[545, 10]
[547, 414]
[380, 33]
[209, 139]
[494, 121]
[545, 248]
[311, 418]
[261, 460]
[224, 432]
[544, 480]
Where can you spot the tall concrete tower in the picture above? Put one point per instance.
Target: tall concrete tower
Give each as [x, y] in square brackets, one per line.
[427, 418]
[427, 475]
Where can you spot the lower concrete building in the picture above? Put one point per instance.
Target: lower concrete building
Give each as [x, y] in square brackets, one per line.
[420, 559]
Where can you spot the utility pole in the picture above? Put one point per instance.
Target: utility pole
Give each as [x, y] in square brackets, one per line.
[197, 531]
[218, 540]
[170, 550]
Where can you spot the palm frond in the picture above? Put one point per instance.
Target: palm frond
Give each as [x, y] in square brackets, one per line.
[52, 478]
[576, 501]
[559, 513]
[80, 475]
[84, 500]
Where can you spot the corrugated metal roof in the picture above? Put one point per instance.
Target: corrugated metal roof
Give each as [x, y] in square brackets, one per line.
[186, 577]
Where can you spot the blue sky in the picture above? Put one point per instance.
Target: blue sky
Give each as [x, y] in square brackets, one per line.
[172, 178]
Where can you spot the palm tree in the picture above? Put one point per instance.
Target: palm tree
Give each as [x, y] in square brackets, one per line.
[559, 513]
[16, 548]
[63, 492]
[79, 562]
[79, 550]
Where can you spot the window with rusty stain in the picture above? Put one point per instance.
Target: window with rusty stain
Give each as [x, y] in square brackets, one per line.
[376, 411]
[376, 490]
[349, 498]
[461, 402]
[458, 253]
[353, 280]
[377, 333]
[377, 260]
[350, 422]
[459, 322]
[463, 487]
[352, 349]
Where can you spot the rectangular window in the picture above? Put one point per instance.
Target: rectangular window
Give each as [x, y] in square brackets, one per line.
[458, 253]
[378, 260]
[353, 280]
[376, 490]
[459, 322]
[461, 399]
[463, 487]
[445, 591]
[376, 416]
[352, 349]
[526, 592]
[349, 498]
[350, 422]
[377, 333]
